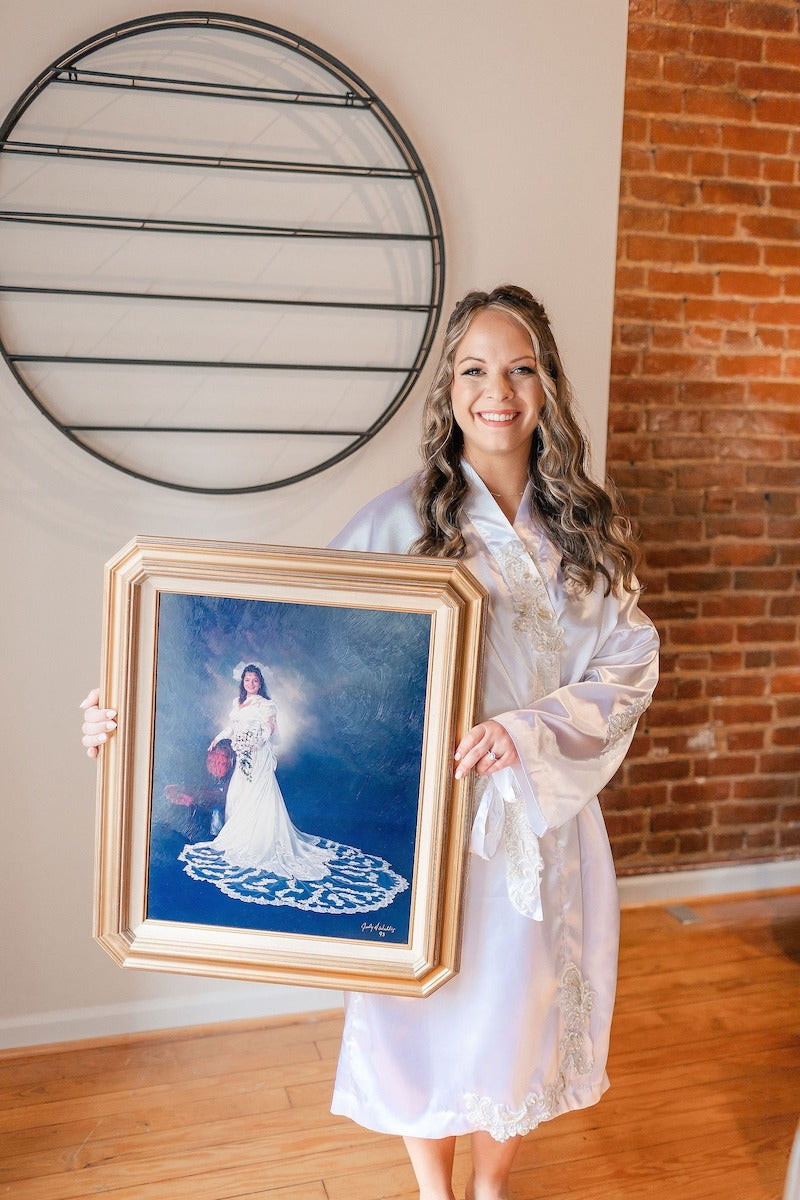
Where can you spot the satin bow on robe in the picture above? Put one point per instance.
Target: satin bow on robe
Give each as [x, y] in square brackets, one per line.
[501, 816]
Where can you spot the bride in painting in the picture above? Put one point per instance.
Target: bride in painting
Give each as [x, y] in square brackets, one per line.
[259, 856]
[257, 831]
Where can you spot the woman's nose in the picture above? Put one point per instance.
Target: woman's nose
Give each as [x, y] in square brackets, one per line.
[498, 386]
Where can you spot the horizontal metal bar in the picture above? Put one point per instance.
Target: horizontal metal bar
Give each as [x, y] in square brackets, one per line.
[199, 87]
[86, 360]
[215, 229]
[97, 293]
[344, 433]
[206, 161]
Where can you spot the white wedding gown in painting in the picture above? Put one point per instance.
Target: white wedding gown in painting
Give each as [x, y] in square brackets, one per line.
[260, 857]
[521, 1033]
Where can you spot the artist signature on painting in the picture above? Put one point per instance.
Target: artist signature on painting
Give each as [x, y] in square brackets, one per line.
[377, 927]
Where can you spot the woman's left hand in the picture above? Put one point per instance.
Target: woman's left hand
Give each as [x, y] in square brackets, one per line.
[487, 748]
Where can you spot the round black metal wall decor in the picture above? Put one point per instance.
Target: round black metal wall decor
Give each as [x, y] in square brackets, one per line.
[221, 260]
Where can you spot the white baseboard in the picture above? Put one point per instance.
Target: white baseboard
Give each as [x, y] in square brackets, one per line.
[256, 1001]
[139, 1016]
[724, 880]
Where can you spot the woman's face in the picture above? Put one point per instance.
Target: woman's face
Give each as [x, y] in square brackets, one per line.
[496, 393]
[251, 683]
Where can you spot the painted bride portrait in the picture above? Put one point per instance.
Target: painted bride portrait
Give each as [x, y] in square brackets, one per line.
[258, 855]
[279, 798]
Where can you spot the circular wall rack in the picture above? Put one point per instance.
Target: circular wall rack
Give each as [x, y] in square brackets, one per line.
[221, 260]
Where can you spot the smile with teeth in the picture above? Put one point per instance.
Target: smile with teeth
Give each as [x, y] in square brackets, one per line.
[498, 418]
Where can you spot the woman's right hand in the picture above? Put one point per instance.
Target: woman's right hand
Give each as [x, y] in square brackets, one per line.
[98, 723]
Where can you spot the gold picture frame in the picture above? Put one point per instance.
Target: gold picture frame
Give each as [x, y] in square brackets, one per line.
[369, 668]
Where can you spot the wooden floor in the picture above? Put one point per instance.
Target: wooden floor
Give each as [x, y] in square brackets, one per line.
[703, 1105]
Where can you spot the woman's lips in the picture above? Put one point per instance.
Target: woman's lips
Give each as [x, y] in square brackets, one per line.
[497, 418]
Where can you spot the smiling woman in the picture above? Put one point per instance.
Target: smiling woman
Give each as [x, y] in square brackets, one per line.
[497, 397]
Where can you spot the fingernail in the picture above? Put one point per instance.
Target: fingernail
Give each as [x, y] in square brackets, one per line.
[458, 755]
[101, 737]
[458, 773]
[111, 725]
[111, 712]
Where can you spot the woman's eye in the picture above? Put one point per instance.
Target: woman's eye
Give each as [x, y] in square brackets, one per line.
[524, 370]
[471, 371]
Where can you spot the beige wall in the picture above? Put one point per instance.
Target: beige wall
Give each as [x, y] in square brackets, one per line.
[515, 108]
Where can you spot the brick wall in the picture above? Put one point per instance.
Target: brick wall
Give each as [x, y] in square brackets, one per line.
[705, 426]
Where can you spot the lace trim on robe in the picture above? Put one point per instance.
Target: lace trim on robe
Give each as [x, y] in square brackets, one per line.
[524, 862]
[500, 1121]
[619, 723]
[534, 619]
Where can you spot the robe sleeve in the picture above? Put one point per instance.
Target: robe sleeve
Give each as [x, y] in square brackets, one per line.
[572, 741]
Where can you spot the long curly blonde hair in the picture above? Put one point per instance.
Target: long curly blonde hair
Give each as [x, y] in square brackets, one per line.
[584, 520]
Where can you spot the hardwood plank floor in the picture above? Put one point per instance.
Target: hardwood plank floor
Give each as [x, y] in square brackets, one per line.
[705, 1063]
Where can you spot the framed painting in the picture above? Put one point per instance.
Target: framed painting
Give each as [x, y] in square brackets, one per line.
[279, 802]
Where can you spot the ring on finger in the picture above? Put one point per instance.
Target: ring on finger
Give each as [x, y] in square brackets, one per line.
[492, 757]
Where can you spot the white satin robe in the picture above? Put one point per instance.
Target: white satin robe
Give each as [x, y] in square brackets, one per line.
[521, 1033]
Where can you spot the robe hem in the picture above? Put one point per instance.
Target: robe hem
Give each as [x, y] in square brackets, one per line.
[452, 1124]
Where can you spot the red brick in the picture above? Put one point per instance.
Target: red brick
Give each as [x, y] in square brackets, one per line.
[733, 606]
[692, 12]
[652, 99]
[657, 189]
[744, 166]
[754, 139]
[741, 555]
[684, 133]
[728, 764]
[679, 364]
[700, 633]
[671, 556]
[779, 476]
[721, 105]
[711, 72]
[759, 788]
[785, 681]
[697, 581]
[780, 762]
[635, 217]
[629, 277]
[669, 337]
[645, 248]
[710, 475]
[685, 283]
[720, 44]
[763, 581]
[648, 308]
[785, 197]
[698, 817]
[777, 313]
[780, 528]
[789, 656]
[777, 110]
[693, 843]
[748, 365]
[634, 129]
[723, 310]
[774, 18]
[657, 771]
[784, 606]
[768, 79]
[660, 39]
[711, 791]
[727, 661]
[749, 283]
[745, 739]
[703, 223]
[644, 67]
[736, 252]
[782, 50]
[785, 735]
[777, 169]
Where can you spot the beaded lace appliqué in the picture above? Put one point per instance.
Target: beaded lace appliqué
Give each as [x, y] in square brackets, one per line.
[576, 1058]
[524, 862]
[534, 619]
[620, 722]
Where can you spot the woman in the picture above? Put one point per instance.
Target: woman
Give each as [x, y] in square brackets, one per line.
[259, 856]
[257, 831]
[521, 1034]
